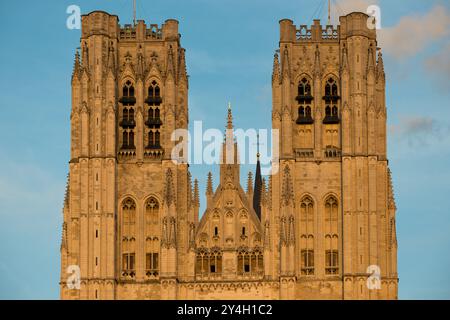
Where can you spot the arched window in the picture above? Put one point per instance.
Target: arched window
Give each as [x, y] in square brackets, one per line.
[131, 140]
[331, 209]
[157, 139]
[331, 89]
[152, 238]
[307, 231]
[250, 262]
[128, 97]
[331, 236]
[243, 262]
[154, 122]
[331, 262]
[128, 238]
[257, 262]
[154, 94]
[215, 262]
[154, 139]
[307, 209]
[331, 98]
[124, 140]
[209, 263]
[152, 216]
[307, 262]
[304, 99]
[151, 139]
[201, 266]
[304, 89]
[128, 123]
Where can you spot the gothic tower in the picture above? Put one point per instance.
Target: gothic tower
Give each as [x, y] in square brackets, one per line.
[128, 203]
[332, 198]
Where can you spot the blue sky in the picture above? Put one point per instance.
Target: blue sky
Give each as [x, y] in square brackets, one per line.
[230, 46]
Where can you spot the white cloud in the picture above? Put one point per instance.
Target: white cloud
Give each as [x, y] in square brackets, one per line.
[439, 63]
[415, 32]
[420, 130]
[344, 7]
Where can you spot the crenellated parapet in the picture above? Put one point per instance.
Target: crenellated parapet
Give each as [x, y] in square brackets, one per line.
[353, 24]
[306, 34]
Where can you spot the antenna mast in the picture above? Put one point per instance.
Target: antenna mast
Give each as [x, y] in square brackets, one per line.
[134, 12]
[329, 12]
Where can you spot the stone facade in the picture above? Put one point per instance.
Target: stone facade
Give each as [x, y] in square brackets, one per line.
[131, 213]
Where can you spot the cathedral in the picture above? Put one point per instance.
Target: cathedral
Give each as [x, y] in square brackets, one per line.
[322, 226]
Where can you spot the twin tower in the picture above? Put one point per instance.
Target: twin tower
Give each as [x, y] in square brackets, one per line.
[321, 227]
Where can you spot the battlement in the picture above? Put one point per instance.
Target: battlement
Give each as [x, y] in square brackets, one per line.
[353, 24]
[103, 23]
[141, 31]
[317, 33]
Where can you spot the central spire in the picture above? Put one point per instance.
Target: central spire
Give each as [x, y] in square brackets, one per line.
[229, 169]
[230, 117]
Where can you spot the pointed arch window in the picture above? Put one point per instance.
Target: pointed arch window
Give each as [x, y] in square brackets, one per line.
[331, 262]
[154, 139]
[154, 118]
[307, 236]
[152, 238]
[154, 94]
[250, 262]
[331, 209]
[307, 262]
[331, 98]
[243, 262]
[154, 101]
[331, 236]
[304, 91]
[124, 139]
[331, 89]
[128, 139]
[209, 263]
[215, 262]
[128, 95]
[128, 122]
[304, 99]
[128, 238]
[154, 121]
